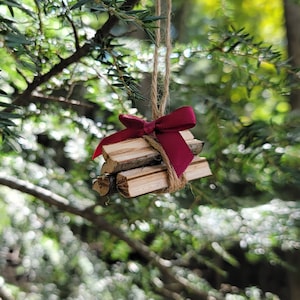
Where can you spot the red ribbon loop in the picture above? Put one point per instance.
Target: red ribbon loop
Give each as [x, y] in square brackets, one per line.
[166, 129]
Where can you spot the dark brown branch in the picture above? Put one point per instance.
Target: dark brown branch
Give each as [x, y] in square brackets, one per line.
[81, 52]
[77, 44]
[45, 98]
[165, 266]
[292, 16]
[167, 294]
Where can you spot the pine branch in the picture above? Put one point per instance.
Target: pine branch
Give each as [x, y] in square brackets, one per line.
[81, 52]
[165, 266]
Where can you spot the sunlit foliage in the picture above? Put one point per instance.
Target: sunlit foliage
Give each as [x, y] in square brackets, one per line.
[63, 84]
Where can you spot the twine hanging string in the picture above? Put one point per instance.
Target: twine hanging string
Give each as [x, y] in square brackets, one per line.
[159, 106]
[154, 94]
[174, 183]
[168, 42]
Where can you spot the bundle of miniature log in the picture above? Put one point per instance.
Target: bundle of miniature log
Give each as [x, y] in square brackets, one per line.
[133, 168]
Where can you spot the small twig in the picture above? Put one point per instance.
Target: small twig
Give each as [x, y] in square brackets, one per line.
[45, 98]
[166, 292]
[77, 44]
[41, 32]
[113, 89]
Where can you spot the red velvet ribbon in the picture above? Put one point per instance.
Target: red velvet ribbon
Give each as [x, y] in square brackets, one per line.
[165, 129]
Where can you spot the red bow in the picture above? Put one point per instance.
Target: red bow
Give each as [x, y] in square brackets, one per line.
[166, 130]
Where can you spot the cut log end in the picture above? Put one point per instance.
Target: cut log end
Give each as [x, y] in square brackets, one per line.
[134, 153]
[105, 184]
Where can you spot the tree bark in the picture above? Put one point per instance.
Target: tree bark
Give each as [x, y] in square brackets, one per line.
[293, 258]
[292, 22]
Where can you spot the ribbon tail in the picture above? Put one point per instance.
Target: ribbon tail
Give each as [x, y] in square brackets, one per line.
[98, 151]
[177, 150]
[114, 138]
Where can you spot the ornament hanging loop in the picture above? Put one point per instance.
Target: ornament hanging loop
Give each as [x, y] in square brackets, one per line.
[159, 106]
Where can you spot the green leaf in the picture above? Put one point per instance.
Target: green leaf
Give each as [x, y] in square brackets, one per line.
[4, 104]
[16, 4]
[29, 65]
[2, 93]
[15, 39]
[5, 115]
[6, 122]
[79, 4]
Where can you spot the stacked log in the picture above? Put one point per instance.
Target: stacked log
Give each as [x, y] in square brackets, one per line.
[133, 168]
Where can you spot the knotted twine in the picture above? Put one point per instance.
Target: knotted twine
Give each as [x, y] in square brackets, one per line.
[158, 107]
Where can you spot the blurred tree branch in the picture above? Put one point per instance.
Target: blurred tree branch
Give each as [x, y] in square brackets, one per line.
[292, 18]
[165, 266]
[4, 295]
[37, 97]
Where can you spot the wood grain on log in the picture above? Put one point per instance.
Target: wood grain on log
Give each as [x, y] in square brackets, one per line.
[134, 153]
[139, 181]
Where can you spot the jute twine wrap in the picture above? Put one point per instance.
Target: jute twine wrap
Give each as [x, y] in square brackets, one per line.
[158, 107]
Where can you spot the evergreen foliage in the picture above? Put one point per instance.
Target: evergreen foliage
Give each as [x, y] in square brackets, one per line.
[68, 69]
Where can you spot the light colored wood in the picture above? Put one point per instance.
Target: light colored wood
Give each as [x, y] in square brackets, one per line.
[125, 147]
[141, 157]
[134, 153]
[139, 181]
[187, 135]
[111, 150]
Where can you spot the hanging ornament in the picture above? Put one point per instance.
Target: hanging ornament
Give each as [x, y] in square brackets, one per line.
[158, 156]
